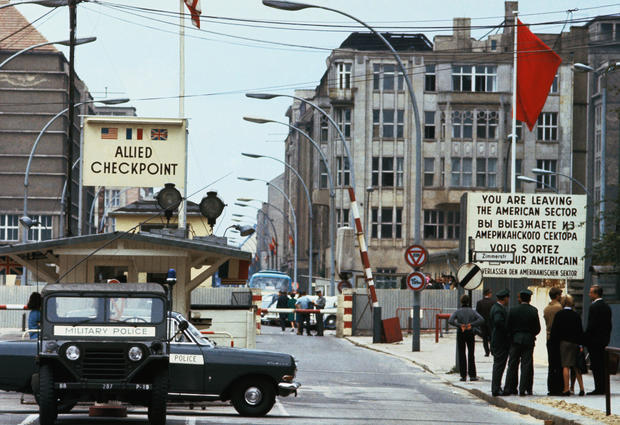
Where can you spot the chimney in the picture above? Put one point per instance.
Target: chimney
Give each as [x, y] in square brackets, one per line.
[461, 28]
[509, 8]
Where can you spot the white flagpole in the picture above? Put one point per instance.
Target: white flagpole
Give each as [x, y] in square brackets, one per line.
[183, 206]
[513, 146]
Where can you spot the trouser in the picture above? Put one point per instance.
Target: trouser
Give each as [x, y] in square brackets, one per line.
[523, 354]
[303, 321]
[555, 380]
[597, 364]
[319, 324]
[467, 365]
[500, 357]
[486, 337]
[283, 317]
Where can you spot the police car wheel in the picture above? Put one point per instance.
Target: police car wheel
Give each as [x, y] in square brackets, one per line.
[253, 397]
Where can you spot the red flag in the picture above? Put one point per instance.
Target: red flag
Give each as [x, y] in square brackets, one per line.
[275, 245]
[194, 9]
[271, 247]
[536, 68]
[291, 240]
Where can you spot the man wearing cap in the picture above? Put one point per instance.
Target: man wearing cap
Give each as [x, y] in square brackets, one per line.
[523, 326]
[500, 341]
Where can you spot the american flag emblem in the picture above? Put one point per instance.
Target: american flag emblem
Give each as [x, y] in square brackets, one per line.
[109, 133]
[159, 134]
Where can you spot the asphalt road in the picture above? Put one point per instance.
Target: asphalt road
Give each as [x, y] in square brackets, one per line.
[341, 384]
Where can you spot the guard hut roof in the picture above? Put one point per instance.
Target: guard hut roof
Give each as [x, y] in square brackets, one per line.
[104, 288]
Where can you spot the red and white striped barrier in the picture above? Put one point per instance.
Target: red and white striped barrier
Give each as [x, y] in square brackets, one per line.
[257, 300]
[298, 310]
[13, 307]
[370, 282]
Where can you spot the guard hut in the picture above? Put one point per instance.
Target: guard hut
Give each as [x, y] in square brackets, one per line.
[140, 257]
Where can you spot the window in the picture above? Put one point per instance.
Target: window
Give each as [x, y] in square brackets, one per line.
[429, 125]
[388, 225]
[324, 123]
[479, 78]
[322, 175]
[486, 125]
[383, 76]
[548, 126]
[9, 227]
[387, 171]
[519, 130]
[546, 181]
[344, 75]
[486, 172]
[462, 124]
[386, 278]
[384, 124]
[606, 31]
[41, 231]
[555, 86]
[461, 172]
[429, 172]
[429, 78]
[344, 172]
[342, 217]
[113, 198]
[343, 119]
[441, 224]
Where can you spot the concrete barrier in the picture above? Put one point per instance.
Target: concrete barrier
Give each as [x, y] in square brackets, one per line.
[237, 321]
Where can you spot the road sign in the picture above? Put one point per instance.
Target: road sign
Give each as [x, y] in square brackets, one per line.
[469, 276]
[416, 256]
[416, 281]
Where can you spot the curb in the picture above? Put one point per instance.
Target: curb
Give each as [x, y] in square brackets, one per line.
[496, 401]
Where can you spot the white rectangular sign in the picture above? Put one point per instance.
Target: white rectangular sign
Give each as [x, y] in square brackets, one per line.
[133, 151]
[105, 331]
[196, 359]
[527, 235]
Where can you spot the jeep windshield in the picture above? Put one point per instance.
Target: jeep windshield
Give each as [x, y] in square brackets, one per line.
[81, 310]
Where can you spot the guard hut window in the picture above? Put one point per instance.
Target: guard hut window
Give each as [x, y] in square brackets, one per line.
[344, 75]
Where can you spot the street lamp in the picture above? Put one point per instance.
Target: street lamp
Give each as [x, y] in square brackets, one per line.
[273, 227]
[46, 3]
[549, 172]
[309, 199]
[332, 192]
[36, 143]
[244, 230]
[290, 204]
[531, 180]
[78, 41]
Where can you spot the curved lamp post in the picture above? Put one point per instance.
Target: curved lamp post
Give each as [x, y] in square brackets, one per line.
[310, 216]
[77, 42]
[332, 192]
[290, 204]
[36, 143]
[531, 180]
[275, 233]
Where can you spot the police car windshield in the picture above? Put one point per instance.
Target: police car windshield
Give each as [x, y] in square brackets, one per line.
[63, 309]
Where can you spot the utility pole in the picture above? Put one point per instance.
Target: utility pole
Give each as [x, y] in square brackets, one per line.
[72, 22]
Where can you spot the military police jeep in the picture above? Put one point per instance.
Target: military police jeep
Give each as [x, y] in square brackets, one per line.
[102, 342]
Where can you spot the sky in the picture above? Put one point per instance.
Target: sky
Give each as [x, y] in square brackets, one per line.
[136, 55]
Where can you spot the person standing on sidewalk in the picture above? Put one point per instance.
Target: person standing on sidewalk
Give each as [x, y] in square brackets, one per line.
[567, 334]
[303, 303]
[291, 316]
[465, 319]
[523, 326]
[500, 340]
[319, 304]
[598, 333]
[483, 307]
[555, 381]
[282, 303]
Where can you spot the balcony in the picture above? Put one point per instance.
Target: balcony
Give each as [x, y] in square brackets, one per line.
[342, 96]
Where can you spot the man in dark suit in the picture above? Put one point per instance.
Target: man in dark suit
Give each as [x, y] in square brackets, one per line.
[500, 341]
[483, 308]
[523, 326]
[597, 336]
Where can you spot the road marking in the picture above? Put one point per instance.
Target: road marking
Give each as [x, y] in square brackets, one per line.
[191, 421]
[30, 419]
[281, 408]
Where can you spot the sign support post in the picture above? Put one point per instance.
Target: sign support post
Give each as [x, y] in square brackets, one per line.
[416, 256]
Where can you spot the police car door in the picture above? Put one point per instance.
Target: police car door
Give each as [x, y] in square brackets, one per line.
[186, 364]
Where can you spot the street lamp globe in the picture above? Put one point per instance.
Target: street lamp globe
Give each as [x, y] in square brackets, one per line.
[211, 207]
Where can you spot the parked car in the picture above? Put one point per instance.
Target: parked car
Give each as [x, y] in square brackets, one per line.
[195, 368]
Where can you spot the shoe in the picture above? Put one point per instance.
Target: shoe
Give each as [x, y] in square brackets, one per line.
[557, 393]
[497, 393]
[566, 393]
[486, 355]
[509, 393]
[473, 378]
[595, 392]
[463, 379]
[582, 393]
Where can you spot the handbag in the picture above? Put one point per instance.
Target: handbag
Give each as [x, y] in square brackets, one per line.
[581, 362]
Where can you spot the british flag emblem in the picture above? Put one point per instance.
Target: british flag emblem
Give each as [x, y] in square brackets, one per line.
[8, 266]
[159, 134]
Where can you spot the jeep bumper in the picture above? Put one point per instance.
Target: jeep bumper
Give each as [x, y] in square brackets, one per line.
[288, 388]
[102, 386]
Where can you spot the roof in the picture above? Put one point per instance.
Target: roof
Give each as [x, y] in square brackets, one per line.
[150, 207]
[190, 244]
[16, 33]
[400, 42]
[114, 288]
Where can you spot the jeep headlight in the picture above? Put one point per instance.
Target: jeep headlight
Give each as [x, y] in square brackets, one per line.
[135, 354]
[72, 352]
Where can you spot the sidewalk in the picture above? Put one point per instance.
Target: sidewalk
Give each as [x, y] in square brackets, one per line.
[439, 359]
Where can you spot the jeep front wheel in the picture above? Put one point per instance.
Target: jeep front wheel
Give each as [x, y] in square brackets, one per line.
[253, 397]
[159, 397]
[48, 408]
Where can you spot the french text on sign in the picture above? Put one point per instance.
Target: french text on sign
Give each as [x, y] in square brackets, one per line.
[416, 256]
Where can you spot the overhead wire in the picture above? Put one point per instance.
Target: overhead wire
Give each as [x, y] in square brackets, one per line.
[23, 28]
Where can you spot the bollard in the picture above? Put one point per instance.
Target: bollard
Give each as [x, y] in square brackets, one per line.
[376, 325]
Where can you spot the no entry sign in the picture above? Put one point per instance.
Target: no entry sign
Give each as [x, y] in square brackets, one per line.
[416, 281]
[416, 256]
[469, 276]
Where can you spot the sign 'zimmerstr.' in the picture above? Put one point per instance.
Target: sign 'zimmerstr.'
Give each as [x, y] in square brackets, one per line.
[133, 151]
[536, 236]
